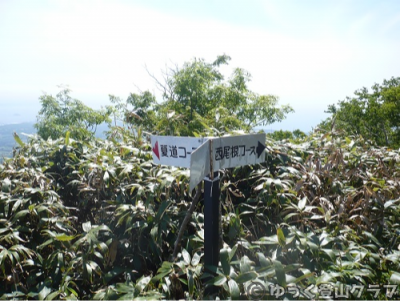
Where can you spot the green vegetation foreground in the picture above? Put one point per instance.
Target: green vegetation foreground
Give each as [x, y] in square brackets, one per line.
[98, 220]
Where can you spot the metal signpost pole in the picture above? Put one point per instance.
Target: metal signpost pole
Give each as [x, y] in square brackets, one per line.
[211, 221]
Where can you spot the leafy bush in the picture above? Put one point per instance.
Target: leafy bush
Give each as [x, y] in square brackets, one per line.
[94, 219]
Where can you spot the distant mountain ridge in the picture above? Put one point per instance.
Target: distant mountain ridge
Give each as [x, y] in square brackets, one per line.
[7, 141]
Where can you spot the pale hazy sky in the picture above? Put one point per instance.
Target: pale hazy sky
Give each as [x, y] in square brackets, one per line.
[309, 53]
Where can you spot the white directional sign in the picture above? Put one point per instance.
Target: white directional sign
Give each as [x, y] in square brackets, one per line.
[235, 151]
[174, 151]
[199, 154]
[199, 164]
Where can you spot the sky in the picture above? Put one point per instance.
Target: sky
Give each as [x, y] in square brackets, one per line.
[309, 53]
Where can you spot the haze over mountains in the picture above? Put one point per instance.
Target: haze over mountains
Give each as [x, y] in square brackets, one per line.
[11, 112]
[7, 141]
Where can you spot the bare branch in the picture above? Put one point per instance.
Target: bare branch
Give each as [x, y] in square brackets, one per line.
[161, 87]
[186, 221]
[136, 86]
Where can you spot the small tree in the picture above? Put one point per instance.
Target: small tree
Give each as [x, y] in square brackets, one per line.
[198, 99]
[279, 135]
[374, 115]
[62, 113]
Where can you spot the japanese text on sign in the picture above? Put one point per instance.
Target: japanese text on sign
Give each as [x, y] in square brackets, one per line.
[173, 151]
[234, 151]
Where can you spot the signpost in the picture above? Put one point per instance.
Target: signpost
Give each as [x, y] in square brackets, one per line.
[211, 222]
[199, 164]
[235, 151]
[226, 152]
[205, 156]
[174, 151]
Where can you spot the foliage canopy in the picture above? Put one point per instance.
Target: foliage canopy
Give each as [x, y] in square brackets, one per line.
[279, 135]
[197, 99]
[375, 114]
[62, 114]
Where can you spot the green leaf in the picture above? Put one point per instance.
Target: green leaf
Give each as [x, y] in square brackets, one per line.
[245, 264]
[52, 295]
[232, 252]
[6, 185]
[224, 256]
[64, 237]
[44, 292]
[89, 271]
[302, 203]
[166, 266]
[395, 277]
[280, 273]
[142, 283]
[124, 288]
[106, 176]
[248, 276]
[186, 257]
[67, 138]
[218, 280]
[113, 273]
[330, 253]
[281, 237]
[18, 140]
[73, 292]
[196, 259]
[190, 282]
[372, 237]
[87, 226]
[161, 211]
[20, 215]
[390, 203]
[263, 261]
[234, 290]
[102, 228]
[128, 297]
[308, 275]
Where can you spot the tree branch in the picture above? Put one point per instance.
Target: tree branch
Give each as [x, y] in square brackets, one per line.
[186, 221]
[161, 87]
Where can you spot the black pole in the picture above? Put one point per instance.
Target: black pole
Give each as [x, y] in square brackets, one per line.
[211, 222]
